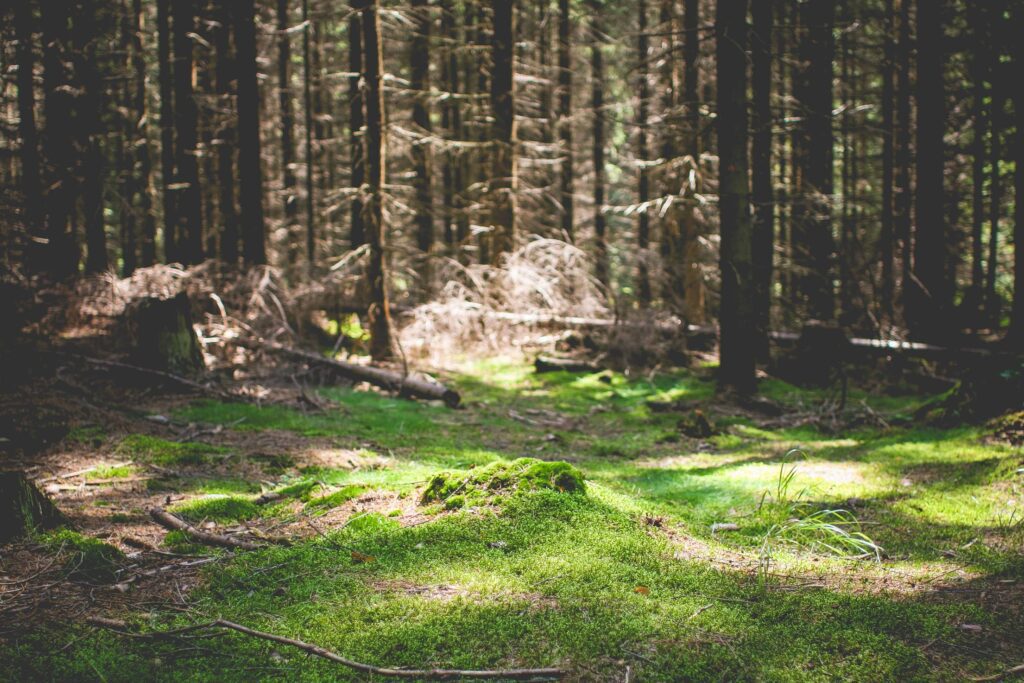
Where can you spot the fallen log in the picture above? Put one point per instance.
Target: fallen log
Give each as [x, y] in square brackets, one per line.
[169, 521]
[409, 387]
[550, 364]
[126, 629]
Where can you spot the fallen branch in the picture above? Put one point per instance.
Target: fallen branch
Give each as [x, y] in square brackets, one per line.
[422, 674]
[166, 376]
[1019, 669]
[405, 386]
[169, 521]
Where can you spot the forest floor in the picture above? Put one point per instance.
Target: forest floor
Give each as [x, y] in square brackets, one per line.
[680, 561]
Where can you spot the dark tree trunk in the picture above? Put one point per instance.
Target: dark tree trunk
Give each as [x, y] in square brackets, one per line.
[1017, 313]
[167, 175]
[763, 239]
[886, 238]
[904, 193]
[597, 85]
[814, 243]
[125, 151]
[693, 278]
[376, 273]
[250, 175]
[357, 228]
[143, 162]
[643, 234]
[89, 128]
[565, 116]
[31, 187]
[162, 336]
[285, 110]
[992, 302]
[738, 315]
[451, 121]
[307, 98]
[186, 118]
[503, 131]
[979, 72]
[932, 293]
[421, 161]
[58, 144]
[226, 138]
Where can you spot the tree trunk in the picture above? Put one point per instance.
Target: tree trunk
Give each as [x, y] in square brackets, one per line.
[250, 175]
[814, 242]
[286, 112]
[992, 302]
[1017, 314]
[31, 187]
[373, 79]
[503, 131]
[565, 116]
[421, 161]
[357, 228]
[143, 161]
[186, 117]
[738, 316]
[166, 78]
[886, 238]
[23, 509]
[307, 98]
[932, 293]
[643, 234]
[597, 85]
[904, 194]
[693, 277]
[124, 154]
[451, 122]
[90, 129]
[162, 336]
[764, 207]
[226, 139]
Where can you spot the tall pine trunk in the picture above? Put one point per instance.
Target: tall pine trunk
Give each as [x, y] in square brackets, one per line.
[250, 173]
[287, 114]
[419, 57]
[693, 275]
[31, 186]
[307, 100]
[226, 138]
[643, 233]
[166, 78]
[738, 315]
[357, 228]
[597, 86]
[886, 238]
[763, 237]
[186, 117]
[565, 117]
[503, 181]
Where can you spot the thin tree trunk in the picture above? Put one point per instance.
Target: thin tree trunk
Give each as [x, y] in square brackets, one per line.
[31, 186]
[1017, 314]
[287, 114]
[250, 174]
[503, 131]
[904, 194]
[598, 85]
[979, 72]
[166, 78]
[738, 316]
[307, 98]
[643, 152]
[89, 128]
[693, 275]
[421, 160]
[565, 116]
[376, 273]
[186, 116]
[226, 138]
[886, 239]
[357, 228]
[125, 152]
[763, 237]
[992, 302]
[932, 291]
[143, 161]
[450, 122]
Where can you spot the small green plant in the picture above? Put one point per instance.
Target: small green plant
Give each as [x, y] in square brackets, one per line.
[217, 508]
[333, 500]
[834, 531]
[163, 452]
[481, 484]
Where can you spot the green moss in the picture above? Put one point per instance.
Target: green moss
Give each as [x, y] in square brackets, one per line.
[333, 500]
[111, 472]
[216, 509]
[88, 559]
[302, 489]
[162, 452]
[87, 435]
[481, 484]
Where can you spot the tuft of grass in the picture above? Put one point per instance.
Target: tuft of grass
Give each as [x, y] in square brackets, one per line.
[480, 485]
[333, 500]
[111, 472]
[218, 508]
[88, 559]
[162, 452]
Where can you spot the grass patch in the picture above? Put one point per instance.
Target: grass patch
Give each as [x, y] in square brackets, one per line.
[88, 559]
[162, 452]
[333, 500]
[221, 509]
[482, 485]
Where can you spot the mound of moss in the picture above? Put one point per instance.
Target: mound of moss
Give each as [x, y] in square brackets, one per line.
[481, 485]
[89, 559]
[339, 497]
[163, 452]
[216, 509]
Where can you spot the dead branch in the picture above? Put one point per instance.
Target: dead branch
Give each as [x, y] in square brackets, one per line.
[169, 521]
[124, 628]
[405, 386]
[166, 376]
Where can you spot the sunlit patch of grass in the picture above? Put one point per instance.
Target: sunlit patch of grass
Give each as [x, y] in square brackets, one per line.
[162, 452]
[111, 472]
[216, 508]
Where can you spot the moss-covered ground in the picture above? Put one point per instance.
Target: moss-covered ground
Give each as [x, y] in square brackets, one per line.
[655, 564]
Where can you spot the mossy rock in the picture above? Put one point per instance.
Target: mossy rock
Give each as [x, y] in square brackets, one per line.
[482, 485]
[90, 559]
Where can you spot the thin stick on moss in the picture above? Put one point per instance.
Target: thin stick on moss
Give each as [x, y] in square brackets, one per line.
[169, 521]
[422, 674]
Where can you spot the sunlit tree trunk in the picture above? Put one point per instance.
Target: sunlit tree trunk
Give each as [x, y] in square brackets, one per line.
[89, 126]
[287, 114]
[357, 228]
[886, 239]
[597, 86]
[250, 173]
[186, 117]
[421, 160]
[565, 116]
[503, 131]
[763, 238]
[307, 100]
[166, 79]
[643, 152]
[226, 138]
